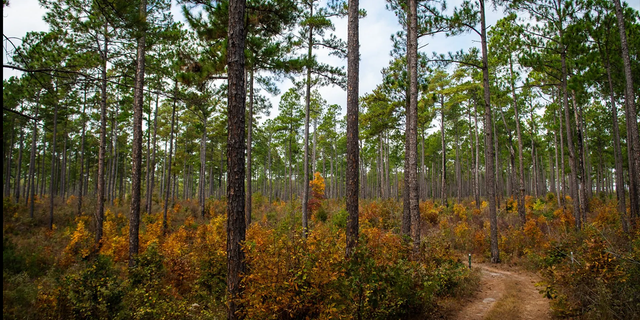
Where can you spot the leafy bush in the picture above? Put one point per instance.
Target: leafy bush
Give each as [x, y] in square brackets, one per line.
[95, 292]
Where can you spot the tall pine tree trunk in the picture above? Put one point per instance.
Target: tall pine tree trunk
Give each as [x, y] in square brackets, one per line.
[489, 153]
[521, 194]
[32, 164]
[235, 155]
[53, 164]
[305, 187]
[19, 167]
[165, 224]
[632, 120]
[152, 170]
[353, 151]
[203, 163]
[136, 167]
[249, 158]
[412, 62]
[617, 151]
[84, 127]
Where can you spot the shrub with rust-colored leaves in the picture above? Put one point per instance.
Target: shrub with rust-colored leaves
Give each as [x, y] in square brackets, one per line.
[317, 192]
[429, 212]
[292, 277]
[597, 281]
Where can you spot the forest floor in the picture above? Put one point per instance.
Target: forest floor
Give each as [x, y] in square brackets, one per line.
[505, 293]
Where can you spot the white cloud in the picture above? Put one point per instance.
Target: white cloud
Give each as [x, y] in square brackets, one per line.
[19, 18]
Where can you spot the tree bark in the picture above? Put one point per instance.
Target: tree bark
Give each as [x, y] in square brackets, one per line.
[152, 170]
[353, 151]
[412, 62]
[168, 188]
[443, 181]
[632, 119]
[521, 193]
[19, 167]
[203, 168]
[7, 177]
[581, 171]
[53, 164]
[136, 167]
[32, 164]
[249, 147]
[572, 153]
[489, 153]
[617, 151]
[82, 143]
[305, 187]
[235, 155]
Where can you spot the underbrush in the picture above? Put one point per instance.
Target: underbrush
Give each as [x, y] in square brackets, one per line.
[593, 273]
[181, 274]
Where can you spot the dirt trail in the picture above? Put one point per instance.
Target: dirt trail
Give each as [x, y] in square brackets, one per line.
[505, 295]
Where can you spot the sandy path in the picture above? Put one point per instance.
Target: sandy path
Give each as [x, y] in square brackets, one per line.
[505, 295]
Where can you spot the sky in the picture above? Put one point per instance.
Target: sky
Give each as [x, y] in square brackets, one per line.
[376, 29]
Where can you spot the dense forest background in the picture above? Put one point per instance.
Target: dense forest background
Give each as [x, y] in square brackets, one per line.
[146, 173]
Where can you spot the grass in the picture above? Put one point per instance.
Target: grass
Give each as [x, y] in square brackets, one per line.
[510, 305]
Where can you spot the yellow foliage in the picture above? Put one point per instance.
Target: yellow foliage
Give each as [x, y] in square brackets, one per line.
[429, 212]
[532, 231]
[317, 185]
[290, 275]
[71, 199]
[80, 243]
[461, 230]
[460, 211]
[317, 192]
[115, 237]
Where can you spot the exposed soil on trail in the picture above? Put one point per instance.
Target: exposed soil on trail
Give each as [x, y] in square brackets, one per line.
[505, 295]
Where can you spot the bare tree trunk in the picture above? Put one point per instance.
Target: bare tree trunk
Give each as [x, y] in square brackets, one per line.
[269, 170]
[235, 155]
[521, 193]
[32, 164]
[84, 127]
[53, 164]
[498, 168]
[315, 144]
[632, 120]
[581, 171]
[620, 191]
[152, 170]
[305, 187]
[203, 168]
[168, 188]
[136, 167]
[353, 151]
[7, 177]
[476, 170]
[489, 153]
[443, 182]
[63, 176]
[163, 185]
[249, 158]
[412, 63]
[19, 167]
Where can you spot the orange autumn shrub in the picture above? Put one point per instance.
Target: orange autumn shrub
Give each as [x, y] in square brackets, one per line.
[429, 212]
[317, 186]
[80, 243]
[460, 211]
[291, 277]
[115, 238]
